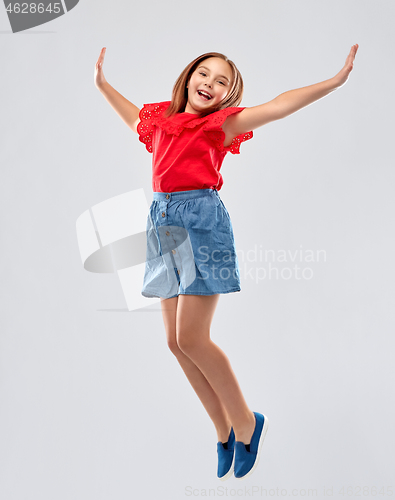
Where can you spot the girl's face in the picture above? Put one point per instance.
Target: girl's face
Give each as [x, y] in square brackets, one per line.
[209, 85]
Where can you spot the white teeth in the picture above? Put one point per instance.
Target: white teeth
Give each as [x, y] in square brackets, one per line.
[202, 92]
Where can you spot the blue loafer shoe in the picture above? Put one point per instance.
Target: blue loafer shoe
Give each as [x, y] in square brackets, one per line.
[246, 461]
[226, 457]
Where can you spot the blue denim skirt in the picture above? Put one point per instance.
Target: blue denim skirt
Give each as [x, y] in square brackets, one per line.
[190, 246]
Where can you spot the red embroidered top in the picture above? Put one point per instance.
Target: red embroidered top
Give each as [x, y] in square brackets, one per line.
[187, 151]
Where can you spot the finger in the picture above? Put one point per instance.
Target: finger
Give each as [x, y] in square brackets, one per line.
[101, 58]
[102, 52]
[352, 53]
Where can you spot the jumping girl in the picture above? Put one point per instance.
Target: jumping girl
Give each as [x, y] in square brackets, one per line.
[191, 254]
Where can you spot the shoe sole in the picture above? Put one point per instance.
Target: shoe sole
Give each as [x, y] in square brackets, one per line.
[263, 434]
[230, 471]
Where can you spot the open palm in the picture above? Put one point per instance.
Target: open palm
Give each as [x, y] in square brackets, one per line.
[99, 75]
[344, 73]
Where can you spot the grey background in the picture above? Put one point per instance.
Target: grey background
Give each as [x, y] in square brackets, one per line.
[93, 404]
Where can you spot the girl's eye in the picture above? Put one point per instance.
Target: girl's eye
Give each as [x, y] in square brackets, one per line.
[204, 74]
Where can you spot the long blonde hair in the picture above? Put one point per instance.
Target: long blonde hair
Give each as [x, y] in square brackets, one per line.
[180, 92]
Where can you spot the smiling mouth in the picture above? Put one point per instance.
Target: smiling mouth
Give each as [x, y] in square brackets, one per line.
[205, 95]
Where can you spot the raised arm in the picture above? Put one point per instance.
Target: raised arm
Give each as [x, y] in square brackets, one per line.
[125, 109]
[287, 103]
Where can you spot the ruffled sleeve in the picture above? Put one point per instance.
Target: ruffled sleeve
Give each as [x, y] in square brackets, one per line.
[152, 115]
[217, 135]
[149, 115]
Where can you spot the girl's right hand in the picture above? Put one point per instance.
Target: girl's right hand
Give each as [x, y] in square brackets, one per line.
[99, 75]
[341, 78]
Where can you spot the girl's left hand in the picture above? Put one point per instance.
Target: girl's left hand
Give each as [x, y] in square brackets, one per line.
[343, 75]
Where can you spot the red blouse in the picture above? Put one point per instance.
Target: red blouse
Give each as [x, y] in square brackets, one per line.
[187, 151]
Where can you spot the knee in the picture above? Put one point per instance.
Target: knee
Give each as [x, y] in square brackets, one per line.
[173, 345]
[187, 342]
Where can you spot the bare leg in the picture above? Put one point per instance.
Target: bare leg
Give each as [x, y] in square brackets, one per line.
[203, 389]
[193, 321]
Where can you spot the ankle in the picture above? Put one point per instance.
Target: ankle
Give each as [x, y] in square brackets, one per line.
[224, 432]
[245, 431]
